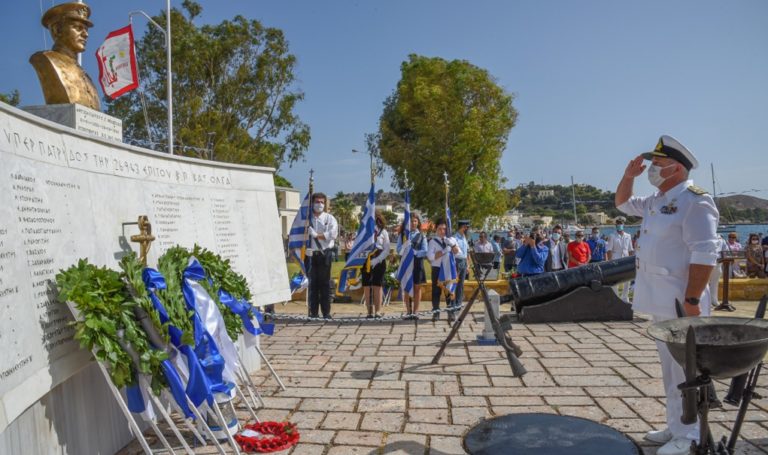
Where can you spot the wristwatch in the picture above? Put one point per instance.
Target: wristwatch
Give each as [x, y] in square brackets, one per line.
[691, 300]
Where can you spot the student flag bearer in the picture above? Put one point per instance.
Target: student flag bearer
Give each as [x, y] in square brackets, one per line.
[312, 237]
[412, 246]
[440, 253]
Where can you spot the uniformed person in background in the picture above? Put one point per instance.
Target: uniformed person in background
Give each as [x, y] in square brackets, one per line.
[675, 257]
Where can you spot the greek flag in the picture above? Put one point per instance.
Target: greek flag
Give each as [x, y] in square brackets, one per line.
[448, 276]
[405, 272]
[364, 242]
[298, 237]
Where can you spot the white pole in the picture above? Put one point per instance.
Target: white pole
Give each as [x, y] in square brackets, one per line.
[80, 54]
[170, 75]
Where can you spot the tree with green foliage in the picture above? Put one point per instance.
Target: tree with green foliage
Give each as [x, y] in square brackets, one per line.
[12, 98]
[232, 92]
[448, 116]
[343, 209]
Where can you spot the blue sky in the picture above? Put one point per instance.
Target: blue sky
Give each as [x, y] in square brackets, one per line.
[595, 82]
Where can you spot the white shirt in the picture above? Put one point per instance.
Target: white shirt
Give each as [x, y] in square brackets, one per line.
[679, 228]
[558, 252]
[481, 247]
[619, 244]
[382, 243]
[324, 224]
[439, 244]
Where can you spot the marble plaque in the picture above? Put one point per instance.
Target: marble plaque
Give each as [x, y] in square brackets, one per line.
[65, 196]
[81, 118]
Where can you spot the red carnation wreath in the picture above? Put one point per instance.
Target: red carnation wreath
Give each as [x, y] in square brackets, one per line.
[269, 437]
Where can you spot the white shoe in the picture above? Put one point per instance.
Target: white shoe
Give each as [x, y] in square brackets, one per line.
[677, 446]
[659, 436]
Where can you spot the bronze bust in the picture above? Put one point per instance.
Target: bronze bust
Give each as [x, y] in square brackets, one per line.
[64, 81]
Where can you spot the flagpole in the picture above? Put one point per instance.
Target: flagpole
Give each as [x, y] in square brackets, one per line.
[169, 75]
[447, 186]
[80, 54]
[372, 308]
[405, 228]
[310, 212]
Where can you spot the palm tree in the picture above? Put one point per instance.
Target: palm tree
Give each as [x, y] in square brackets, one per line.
[342, 209]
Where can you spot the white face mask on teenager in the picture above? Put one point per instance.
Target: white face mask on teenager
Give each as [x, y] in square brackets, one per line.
[654, 174]
[319, 207]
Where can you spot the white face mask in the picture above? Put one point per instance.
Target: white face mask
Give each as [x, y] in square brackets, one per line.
[654, 174]
[319, 207]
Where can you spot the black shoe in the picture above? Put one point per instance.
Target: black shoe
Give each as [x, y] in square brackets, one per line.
[327, 318]
[370, 316]
[435, 316]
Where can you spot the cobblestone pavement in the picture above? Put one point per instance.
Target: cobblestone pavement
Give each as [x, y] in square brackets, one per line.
[369, 388]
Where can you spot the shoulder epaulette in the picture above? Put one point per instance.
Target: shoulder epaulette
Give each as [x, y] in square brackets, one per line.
[697, 190]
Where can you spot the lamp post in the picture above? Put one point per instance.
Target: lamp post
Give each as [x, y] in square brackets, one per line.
[167, 33]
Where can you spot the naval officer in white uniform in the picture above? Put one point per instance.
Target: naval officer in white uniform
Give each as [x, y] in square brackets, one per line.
[675, 254]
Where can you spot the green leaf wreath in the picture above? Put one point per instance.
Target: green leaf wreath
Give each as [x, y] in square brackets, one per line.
[108, 321]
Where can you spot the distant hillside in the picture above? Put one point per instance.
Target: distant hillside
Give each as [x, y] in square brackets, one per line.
[742, 202]
[742, 209]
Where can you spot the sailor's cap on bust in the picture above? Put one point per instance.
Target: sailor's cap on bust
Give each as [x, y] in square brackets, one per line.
[73, 11]
[620, 219]
[669, 147]
[463, 223]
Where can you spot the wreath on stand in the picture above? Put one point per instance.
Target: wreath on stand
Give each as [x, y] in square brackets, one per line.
[265, 437]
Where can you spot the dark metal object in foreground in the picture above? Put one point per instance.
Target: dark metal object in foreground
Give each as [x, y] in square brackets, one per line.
[725, 347]
[716, 348]
[546, 434]
[578, 294]
[512, 350]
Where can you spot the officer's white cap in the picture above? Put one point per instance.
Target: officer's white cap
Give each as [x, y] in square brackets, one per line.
[669, 147]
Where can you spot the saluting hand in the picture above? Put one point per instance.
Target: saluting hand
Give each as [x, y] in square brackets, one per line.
[635, 167]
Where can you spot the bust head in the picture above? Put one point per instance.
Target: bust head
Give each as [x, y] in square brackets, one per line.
[68, 24]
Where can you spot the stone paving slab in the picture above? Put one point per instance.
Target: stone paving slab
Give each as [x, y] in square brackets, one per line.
[369, 388]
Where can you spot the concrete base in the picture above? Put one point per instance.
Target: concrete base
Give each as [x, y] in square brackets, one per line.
[581, 304]
[81, 118]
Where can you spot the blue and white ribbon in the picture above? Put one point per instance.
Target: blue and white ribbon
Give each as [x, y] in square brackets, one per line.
[198, 387]
[209, 324]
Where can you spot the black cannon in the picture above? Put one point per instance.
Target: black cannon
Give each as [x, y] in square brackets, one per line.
[578, 294]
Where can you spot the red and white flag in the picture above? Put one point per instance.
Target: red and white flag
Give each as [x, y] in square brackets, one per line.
[117, 63]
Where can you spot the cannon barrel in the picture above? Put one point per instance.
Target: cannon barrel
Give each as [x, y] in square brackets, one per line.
[532, 290]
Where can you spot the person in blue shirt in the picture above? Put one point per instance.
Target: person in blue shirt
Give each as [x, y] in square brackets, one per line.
[496, 251]
[596, 246]
[532, 254]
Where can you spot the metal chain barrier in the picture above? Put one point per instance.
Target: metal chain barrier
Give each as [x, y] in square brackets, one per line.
[295, 317]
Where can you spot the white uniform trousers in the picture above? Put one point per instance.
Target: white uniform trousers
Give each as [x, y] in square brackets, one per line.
[714, 284]
[673, 374]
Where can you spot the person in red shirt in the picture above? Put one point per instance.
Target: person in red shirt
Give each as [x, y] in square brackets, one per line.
[578, 251]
